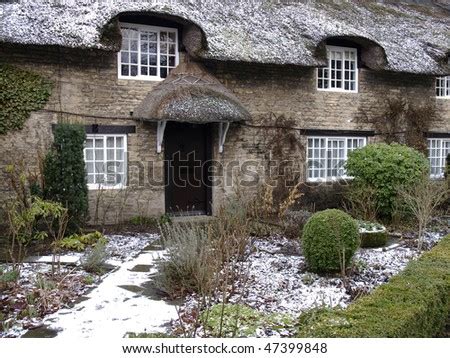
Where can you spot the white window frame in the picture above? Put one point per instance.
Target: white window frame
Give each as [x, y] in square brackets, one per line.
[97, 186]
[157, 29]
[441, 156]
[443, 86]
[326, 158]
[329, 69]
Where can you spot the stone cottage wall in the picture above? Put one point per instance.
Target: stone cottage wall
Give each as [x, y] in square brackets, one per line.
[87, 90]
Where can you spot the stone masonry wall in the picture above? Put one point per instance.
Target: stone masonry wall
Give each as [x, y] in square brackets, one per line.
[87, 90]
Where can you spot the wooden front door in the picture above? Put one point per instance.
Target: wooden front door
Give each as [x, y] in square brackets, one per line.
[187, 154]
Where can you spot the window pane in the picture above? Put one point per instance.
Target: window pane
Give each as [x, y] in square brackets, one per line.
[99, 167]
[144, 47]
[89, 167]
[110, 154]
[89, 154]
[163, 72]
[133, 70]
[125, 70]
[124, 57]
[110, 142]
[99, 154]
[98, 142]
[172, 36]
[152, 48]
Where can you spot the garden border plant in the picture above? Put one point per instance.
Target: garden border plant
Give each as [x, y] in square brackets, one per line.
[330, 239]
[384, 167]
[414, 303]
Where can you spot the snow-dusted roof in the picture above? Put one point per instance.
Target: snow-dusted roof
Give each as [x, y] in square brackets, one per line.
[415, 38]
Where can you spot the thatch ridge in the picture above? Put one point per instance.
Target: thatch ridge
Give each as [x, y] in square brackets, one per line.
[415, 38]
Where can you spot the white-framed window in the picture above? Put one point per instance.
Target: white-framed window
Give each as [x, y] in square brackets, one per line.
[443, 86]
[327, 156]
[341, 74]
[438, 149]
[105, 157]
[147, 52]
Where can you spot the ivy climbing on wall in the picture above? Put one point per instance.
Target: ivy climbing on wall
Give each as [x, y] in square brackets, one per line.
[22, 92]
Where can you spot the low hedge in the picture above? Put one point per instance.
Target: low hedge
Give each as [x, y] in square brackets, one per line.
[414, 303]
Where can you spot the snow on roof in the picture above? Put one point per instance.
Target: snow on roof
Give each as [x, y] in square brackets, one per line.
[415, 38]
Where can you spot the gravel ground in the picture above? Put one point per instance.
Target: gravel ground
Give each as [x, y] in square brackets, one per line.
[278, 280]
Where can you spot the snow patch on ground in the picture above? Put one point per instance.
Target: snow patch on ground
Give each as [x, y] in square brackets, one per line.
[108, 308]
[118, 305]
[278, 281]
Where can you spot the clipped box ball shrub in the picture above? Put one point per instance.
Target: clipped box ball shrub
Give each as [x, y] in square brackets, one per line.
[385, 167]
[330, 239]
[372, 234]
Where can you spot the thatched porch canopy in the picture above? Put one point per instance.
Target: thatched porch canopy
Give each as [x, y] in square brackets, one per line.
[191, 94]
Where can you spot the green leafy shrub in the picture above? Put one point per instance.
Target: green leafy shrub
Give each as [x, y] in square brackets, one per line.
[384, 167]
[64, 173]
[414, 303]
[96, 259]
[80, 242]
[33, 219]
[329, 240]
[22, 92]
[164, 219]
[237, 320]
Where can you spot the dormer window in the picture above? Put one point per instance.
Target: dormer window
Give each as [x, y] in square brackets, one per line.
[148, 52]
[341, 74]
[443, 87]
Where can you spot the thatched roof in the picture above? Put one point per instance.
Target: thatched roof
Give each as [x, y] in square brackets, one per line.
[191, 94]
[415, 38]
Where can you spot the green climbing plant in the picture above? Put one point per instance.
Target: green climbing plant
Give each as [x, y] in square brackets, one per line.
[64, 173]
[22, 92]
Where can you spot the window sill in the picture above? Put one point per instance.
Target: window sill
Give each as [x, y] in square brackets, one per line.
[336, 90]
[442, 97]
[92, 187]
[141, 78]
[328, 180]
